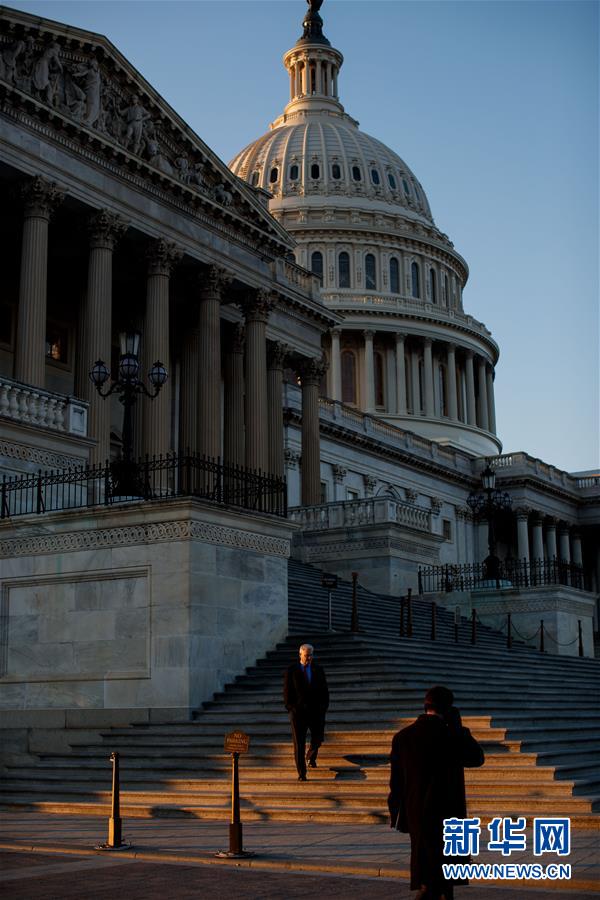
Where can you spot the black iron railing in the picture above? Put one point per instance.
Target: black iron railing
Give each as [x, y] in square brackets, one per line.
[518, 573]
[150, 478]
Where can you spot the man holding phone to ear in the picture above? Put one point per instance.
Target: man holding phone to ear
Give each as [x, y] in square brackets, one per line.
[427, 785]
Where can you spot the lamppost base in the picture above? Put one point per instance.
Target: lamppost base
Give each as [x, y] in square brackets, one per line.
[122, 846]
[234, 854]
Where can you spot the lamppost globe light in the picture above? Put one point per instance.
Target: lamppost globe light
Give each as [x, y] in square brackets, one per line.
[157, 375]
[129, 342]
[99, 373]
[129, 366]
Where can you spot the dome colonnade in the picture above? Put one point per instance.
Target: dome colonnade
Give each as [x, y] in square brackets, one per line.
[363, 225]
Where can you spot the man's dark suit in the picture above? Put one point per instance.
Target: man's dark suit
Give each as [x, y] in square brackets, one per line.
[307, 704]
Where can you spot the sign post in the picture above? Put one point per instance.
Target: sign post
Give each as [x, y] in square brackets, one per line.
[236, 742]
[329, 582]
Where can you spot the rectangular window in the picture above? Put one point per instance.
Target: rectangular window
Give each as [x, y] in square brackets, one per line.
[447, 529]
[57, 342]
[351, 495]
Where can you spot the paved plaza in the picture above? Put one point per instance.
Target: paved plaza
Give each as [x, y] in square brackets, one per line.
[41, 854]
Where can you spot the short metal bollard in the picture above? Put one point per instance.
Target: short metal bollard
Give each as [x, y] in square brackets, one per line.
[115, 841]
[236, 742]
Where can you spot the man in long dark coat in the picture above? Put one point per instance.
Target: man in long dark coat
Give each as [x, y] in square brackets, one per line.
[427, 785]
[306, 698]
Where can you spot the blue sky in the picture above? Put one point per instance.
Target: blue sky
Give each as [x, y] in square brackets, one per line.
[492, 103]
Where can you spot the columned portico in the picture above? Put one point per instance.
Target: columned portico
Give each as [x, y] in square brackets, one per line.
[257, 307]
[522, 534]
[428, 377]
[233, 420]
[276, 357]
[451, 372]
[40, 198]
[551, 550]
[470, 375]
[105, 229]
[537, 537]
[482, 404]
[209, 372]
[400, 375]
[162, 256]
[564, 545]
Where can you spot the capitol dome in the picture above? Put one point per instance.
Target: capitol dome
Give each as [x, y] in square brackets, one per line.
[406, 352]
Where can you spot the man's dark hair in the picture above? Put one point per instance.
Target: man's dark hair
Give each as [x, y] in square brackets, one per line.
[439, 699]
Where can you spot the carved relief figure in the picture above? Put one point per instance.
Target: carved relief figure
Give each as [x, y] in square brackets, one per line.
[8, 61]
[135, 116]
[222, 195]
[90, 72]
[157, 159]
[46, 71]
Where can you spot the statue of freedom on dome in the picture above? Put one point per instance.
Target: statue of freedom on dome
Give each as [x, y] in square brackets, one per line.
[313, 23]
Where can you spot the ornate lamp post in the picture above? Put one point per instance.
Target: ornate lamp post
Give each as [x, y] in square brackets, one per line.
[486, 505]
[128, 385]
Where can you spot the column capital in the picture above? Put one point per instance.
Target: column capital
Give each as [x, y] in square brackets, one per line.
[368, 334]
[537, 519]
[336, 332]
[257, 305]
[522, 512]
[162, 256]
[41, 197]
[410, 496]
[370, 483]
[214, 281]
[105, 229]
[469, 354]
[550, 521]
[276, 355]
[400, 337]
[339, 473]
[451, 347]
[427, 341]
[291, 458]
[311, 370]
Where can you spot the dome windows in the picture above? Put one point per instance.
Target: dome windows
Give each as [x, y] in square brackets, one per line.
[316, 265]
[392, 181]
[370, 275]
[433, 286]
[344, 270]
[356, 173]
[394, 276]
[273, 175]
[255, 178]
[406, 187]
[415, 280]
[315, 171]
[375, 177]
[336, 171]
[294, 172]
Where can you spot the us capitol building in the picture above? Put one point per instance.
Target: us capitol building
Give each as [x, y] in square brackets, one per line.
[316, 386]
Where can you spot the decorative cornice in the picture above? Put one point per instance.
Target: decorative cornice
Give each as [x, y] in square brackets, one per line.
[38, 456]
[155, 532]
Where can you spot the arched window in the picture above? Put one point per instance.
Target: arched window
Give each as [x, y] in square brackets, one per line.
[344, 270]
[294, 172]
[375, 176]
[379, 379]
[348, 377]
[392, 181]
[273, 175]
[254, 179]
[315, 171]
[414, 274]
[336, 172]
[370, 277]
[433, 285]
[316, 264]
[446, 291]
[394, 276]
[356, 173]
[443, 392]
[406, 187]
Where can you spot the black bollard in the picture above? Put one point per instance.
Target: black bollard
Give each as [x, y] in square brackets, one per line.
[115, 841]
[236, 742]
[580, 637]
[409, 624]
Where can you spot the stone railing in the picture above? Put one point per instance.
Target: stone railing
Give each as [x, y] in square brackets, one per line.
[335, 412]
[522, 464]
[287, 272]
[357, 513]
[42, 409]
[406, 305]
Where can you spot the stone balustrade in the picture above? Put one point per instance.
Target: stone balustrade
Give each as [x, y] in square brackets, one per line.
[358, 513]
[29, 405]
[289, 273]
[514, 464]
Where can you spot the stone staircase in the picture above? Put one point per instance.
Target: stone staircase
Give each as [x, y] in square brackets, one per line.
[533, 713]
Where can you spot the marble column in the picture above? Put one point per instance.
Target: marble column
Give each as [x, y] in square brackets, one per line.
[471, 413]
[564, 545]
[537, 538]
[576, 550]
[40, 199]
[276, 357]
[522, 534]
[551, 551]
[336, 365]
[233, 421]
[400, 375]
[311, 372]
[369, 373]
[415, 379]
[490, 399]
[428, 378]
[257, 307]
[209, 370]
[190, 375]
[162, 256]
[451, 381]
[482, 404]
[105, 229]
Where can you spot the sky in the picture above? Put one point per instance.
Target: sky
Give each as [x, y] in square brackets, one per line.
[494, 106]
